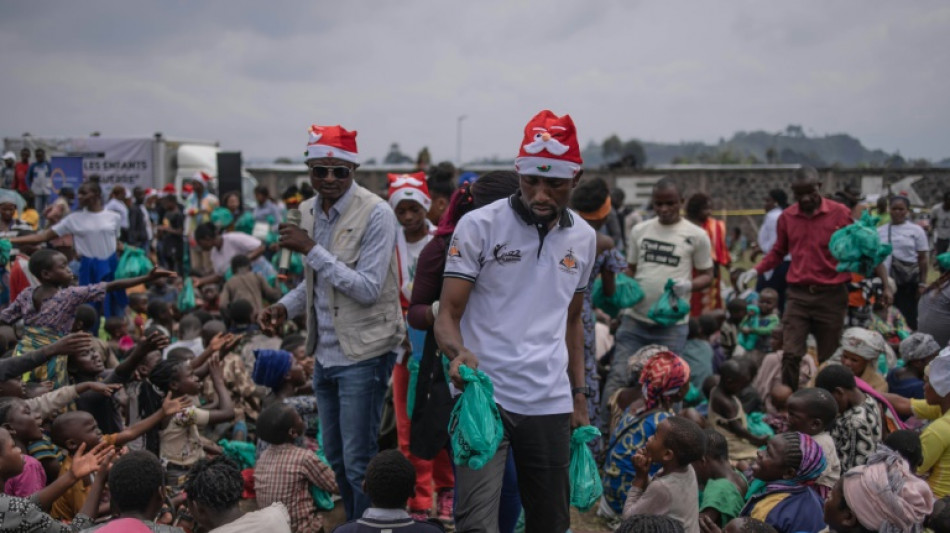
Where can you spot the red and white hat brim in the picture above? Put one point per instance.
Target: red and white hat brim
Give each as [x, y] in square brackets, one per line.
[320, 151]
[546, 167]
[411, 194]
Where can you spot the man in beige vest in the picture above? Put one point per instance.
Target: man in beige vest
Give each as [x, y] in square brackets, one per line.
[351, 300]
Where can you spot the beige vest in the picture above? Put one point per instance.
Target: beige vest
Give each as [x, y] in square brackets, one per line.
[364, 332]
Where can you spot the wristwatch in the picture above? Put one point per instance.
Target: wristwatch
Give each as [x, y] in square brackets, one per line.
[586, 391]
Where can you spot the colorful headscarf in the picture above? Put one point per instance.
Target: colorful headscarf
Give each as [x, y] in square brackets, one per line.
[885, 496]
[636, 361]
[809, 468]
[664, 374]
[271, 367]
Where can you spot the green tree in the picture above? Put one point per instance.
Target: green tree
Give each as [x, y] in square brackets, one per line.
[612, 146]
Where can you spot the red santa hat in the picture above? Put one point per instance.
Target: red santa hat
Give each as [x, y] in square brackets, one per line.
[331, 141]
[409, 187]
[202, 176]
[550, 147]
[169, 188]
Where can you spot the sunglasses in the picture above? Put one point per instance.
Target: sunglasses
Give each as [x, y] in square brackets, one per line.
[340, 173]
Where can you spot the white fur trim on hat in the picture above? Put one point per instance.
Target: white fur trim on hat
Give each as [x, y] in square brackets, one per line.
[546, 167]
[320, 151]
[411, 194]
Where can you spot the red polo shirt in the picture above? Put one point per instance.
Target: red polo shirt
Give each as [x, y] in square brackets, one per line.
[806, 238]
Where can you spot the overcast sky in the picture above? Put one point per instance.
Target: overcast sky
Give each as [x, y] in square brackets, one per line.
[254, 75]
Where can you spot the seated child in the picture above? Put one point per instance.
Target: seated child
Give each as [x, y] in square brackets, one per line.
[907, 444]
[883, 495]
[778, 397]
[857, 428]
[251, 338]
[136, 491]
[29, 514]
[727, 416]
[209, 299]
[674, 491]
[245, 284]
[177, 441]
[160, 290]
[729, 332]
[770, 370]
[648, 522]
[698, 353]
[788, 468]
[284, 472]
[812, 412]
[76, 428]
[756, 328]
[722, 487]
[917, 351]
[860, 350]
[390, 482]
[214, 491]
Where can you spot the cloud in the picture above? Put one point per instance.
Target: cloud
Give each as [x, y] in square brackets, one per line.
[254, 76]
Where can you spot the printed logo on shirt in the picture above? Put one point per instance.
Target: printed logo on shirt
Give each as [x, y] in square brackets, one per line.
[568, 263]
[505, 257]
[454, 252]
[659, 252]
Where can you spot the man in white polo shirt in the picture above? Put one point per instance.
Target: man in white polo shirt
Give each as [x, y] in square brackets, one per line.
[511, 306]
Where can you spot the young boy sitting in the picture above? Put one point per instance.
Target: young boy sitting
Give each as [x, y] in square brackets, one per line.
[857, 428]
[72, 429]
[722, 487]
[245, 284]
[727, 416]
[284, 472]
[812, 412]
[674, 491]
[136, 490]
[729, 331]
[756, 328]
[390, 482]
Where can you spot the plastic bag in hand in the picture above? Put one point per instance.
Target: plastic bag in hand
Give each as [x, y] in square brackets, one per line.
[627, 293]
[586, 487]
[475, 424]
[186, 298]
[669, 309]
[858, 248]
[133, 263]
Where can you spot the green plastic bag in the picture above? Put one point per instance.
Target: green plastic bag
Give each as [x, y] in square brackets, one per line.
[475, 424]
[133, 263]
[245, 223]
[858, 248]
[186, 298]
[757, 426]
[6, 247]
[413, 367]
[322, 499]
[221, 217]
[627, 293]
[586, 486]
[242, 453]
[943, 261]
[668, 309]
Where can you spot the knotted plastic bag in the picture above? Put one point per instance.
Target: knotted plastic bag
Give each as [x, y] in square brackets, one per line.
[475, 424]
[322, 499]
[242, 453]
[858, 248]
[221, 217]
[669, 309]
[133, 263]
[245, 223]
[943, 261]
[186, 298]
[757, 425]
[627, 293]
[586, 487]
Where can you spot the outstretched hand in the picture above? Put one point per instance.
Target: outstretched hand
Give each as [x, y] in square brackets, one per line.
[72, 344]
[87, 463]
[158, 273]
[156, 341]
[272, 318]
[173, 406]
[105, 389]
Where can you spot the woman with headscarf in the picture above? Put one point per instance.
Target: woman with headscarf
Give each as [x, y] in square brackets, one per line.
[860, 350]
[785, 496]
[882, 496]
[917, 351]
[664, 379]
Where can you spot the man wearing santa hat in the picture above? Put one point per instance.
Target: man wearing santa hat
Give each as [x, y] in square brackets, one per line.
[350, 297]
[511, 306]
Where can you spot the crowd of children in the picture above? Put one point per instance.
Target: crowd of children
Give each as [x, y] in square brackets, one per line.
[154, 402]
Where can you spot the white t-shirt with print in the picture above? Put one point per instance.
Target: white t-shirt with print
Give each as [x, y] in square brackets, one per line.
[662, 253]
[94, 234]
[515, 321]
[907, 239]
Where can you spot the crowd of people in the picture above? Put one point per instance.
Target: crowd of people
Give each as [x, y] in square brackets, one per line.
[174, 362]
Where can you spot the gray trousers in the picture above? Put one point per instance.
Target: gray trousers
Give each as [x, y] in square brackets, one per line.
[542, 451]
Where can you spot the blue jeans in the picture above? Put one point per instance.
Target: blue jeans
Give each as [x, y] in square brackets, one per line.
[630, 337]
[351, 405]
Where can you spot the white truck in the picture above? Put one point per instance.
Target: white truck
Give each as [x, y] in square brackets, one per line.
[135, 161]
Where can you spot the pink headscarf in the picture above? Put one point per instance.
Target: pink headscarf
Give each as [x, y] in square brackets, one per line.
[885, 496]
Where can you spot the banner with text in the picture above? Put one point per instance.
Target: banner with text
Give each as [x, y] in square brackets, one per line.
[116, 161]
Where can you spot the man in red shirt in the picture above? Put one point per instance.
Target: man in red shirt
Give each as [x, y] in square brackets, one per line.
[817, 297]
[20, 170]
